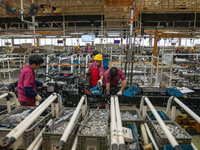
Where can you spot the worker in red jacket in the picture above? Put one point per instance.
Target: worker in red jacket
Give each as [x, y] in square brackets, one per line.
[27, 93]
[112, 77]
[97, 71]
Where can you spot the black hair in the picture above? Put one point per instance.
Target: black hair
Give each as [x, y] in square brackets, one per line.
[35, 59]
[94, 53]
[113, 72]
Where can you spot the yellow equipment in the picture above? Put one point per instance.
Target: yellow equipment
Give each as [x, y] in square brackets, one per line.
[98, 57]
[189, 124]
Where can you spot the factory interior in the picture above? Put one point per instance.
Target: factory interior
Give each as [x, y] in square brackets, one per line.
[99, 75]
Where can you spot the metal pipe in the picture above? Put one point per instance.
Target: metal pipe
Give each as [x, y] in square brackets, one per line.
[122, 145]
[14, 134]
[188, 110]
[65, 135]
[38, 137]
[113, 129]
[151, 136]
[170, 137]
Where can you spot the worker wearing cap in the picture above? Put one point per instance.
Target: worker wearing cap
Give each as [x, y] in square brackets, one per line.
[97, 71]
[186, 50]
[178, 50]
[94, 53]
[112, 77]
[27, 93]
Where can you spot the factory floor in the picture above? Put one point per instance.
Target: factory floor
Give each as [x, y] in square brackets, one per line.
[195, 138]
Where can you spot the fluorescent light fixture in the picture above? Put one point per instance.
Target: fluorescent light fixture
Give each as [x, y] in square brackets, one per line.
[65, 36]
[50, 36]
[76, 33]
[113, 34]
[100, 35]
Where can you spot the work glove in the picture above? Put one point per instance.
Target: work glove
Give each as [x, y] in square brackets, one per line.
[45, 84]
[100, 82]
[87, 70]
[38, 98]
[119, 93]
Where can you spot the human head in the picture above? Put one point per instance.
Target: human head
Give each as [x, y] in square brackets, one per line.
[35, 61]
[113, 72]
[98, 59]
[94, 53]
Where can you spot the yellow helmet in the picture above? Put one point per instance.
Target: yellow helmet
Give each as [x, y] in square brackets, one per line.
[98, 57]
[179, 46]
[185, 47]
[192, 48]
[75, 46]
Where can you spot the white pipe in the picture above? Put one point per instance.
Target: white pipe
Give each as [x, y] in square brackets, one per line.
[173, 115]
[57, 109]
[144, 112]
[114, 139]
[20, 128]
[119, 125]
[8, 106]
[38, 137]
[170, 137]
[60, 102]
[169, 104]
[75, 143]
[53, 109]
[144, 134]
[70, 125]
[37, 146]
[189, 111]
[194, 146]
[4, 95]
[15, 99]
[151, 137]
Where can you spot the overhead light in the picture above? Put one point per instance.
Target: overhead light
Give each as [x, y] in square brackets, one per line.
[51, 36]
[76, 33]
[65, 36]
[113, 34]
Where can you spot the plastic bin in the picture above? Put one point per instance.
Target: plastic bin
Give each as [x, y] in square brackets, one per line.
[131, 122]
[88, 142]
[163, 140]
[27, 137]
[50, 140]
[105, 63]
[183, 146]
[135, 136]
